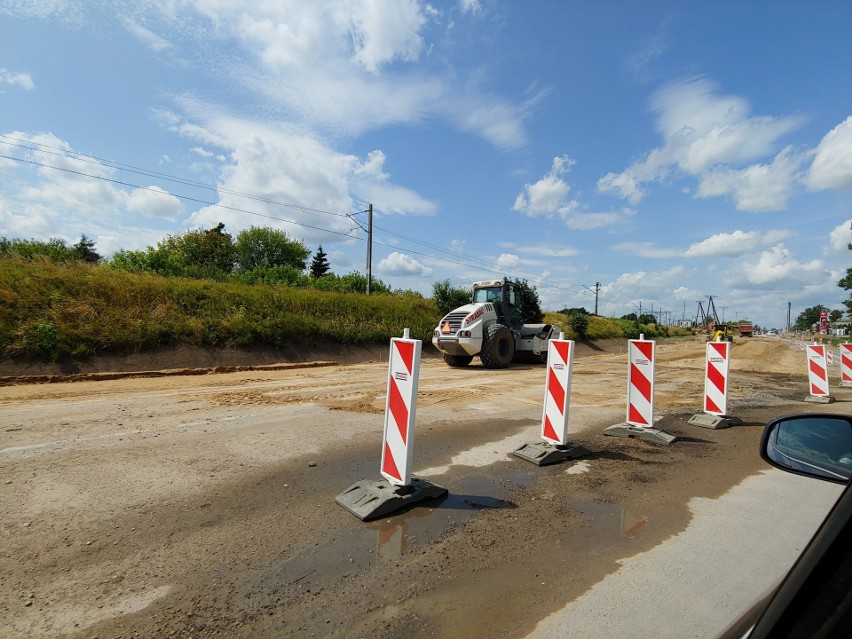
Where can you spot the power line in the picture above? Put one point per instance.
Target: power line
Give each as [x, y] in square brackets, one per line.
[91, 159]
[447, 255]
[188, 198]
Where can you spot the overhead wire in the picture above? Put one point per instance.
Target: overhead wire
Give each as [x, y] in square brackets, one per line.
[188, 198]
[91, 159]
[446, 255]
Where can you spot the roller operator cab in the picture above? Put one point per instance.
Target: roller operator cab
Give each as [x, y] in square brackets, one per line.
[492, 327]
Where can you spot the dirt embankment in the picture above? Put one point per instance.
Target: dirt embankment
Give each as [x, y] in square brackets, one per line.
[192, 360]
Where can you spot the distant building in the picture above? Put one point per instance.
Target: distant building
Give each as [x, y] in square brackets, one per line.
[841, 327]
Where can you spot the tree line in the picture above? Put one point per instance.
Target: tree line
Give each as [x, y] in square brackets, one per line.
[257, 255]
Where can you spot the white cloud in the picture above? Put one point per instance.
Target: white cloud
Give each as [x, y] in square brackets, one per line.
[346, 66]
[371, 182]
[645, 249]
[384, 30]
[71, 194]
[156, 43]
[684, 294]
[734, 244]
[373, 166]
[470, 6]
[20, 79]
[627, 185]
[832, 165]
[402, 265]
[651, 48]
[759, 187]
[549, 196]
[390, 198]
[286, 164]
[290, 33]
[70, 10]
[153, 201]
[22, 224]
[508, 262]
[839, 238]
[641, 284]
[701, 130]
[777, 268]
[586, 221]
[543, 250]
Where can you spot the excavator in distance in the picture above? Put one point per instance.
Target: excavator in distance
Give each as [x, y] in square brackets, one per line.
[492, 326]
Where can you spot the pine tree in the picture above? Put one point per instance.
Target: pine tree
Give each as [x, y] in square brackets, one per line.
[85, 250]
[319, 265]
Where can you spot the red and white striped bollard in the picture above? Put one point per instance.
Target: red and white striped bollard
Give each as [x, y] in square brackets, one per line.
[716, 370]
[640, 382]
[557, 392]
[817, 374]
[846, 364]
[400, 410]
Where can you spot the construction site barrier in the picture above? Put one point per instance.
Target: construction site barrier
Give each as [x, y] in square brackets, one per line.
[817, 374]
[370, 499]
[846, 364]
[716, 370]
[640, 395]
[554, 419]
[557, 392]
[640, 383]
[400, 410]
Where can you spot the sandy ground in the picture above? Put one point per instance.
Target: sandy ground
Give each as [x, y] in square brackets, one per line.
[203, 505]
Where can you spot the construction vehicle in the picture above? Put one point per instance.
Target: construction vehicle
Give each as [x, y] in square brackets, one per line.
[746, 329]
[720, 333]
[493, 327]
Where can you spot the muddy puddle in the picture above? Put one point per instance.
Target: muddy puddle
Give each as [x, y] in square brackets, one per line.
[369, 543]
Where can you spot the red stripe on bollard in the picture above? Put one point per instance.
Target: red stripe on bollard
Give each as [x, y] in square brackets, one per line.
[388, 465]
[406, 352]
[817, 370]
[399, 410]
[557, 392]
[554, 387]
[640, 382]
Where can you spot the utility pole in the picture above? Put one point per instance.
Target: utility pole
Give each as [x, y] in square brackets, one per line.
[596, 291]
[711, 309]
[369, 247]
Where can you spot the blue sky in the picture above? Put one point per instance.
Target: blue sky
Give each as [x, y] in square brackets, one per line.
[667, 150]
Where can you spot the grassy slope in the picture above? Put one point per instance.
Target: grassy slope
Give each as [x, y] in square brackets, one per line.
[51, 311]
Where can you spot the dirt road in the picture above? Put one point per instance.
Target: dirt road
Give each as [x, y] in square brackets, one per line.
[203, 505]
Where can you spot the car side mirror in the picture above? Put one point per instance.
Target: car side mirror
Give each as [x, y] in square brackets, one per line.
[811, 444]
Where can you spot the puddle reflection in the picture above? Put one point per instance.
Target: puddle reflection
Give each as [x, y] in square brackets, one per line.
[610, 520]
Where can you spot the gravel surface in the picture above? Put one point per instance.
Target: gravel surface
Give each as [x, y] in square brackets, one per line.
[201, 505]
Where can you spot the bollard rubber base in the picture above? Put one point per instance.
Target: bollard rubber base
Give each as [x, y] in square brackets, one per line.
[654, 435]
[374, 498]
[845, 384]
[707, 420]
[544, 453]
[819, 399]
